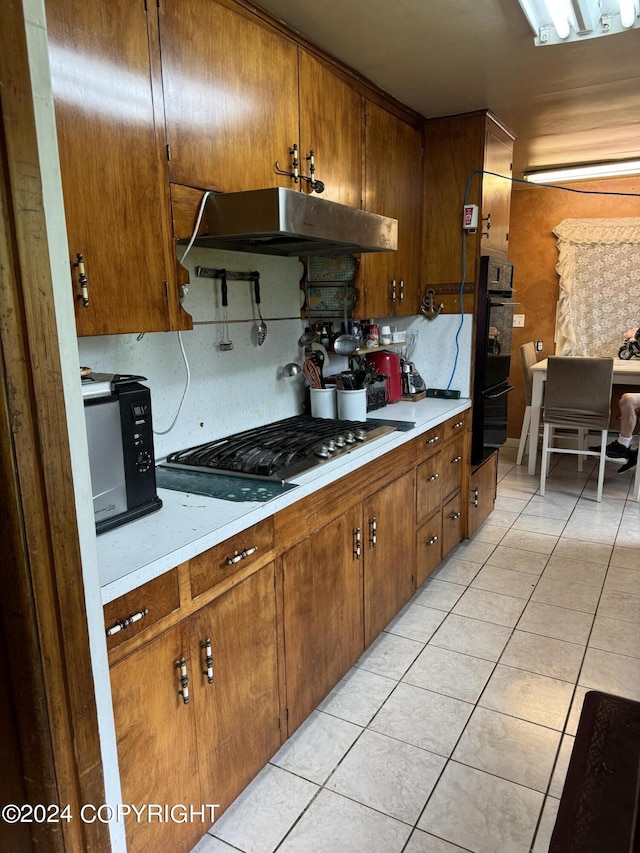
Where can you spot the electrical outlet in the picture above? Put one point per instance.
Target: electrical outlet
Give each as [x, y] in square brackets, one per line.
[539, 346]
[518, 321]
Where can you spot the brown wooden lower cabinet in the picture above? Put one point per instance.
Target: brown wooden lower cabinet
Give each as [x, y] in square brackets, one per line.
[389, 555]
[452, 522]
[323, 622]
[207, 749]
[482, 493]
[428, 547]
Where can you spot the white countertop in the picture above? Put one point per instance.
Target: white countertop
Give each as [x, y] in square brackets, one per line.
[189, 524]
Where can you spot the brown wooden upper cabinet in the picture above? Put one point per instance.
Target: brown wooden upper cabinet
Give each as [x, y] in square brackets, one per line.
[107, 95]
[461, 149]
[231, 97]
[331, 127]
[388, 281]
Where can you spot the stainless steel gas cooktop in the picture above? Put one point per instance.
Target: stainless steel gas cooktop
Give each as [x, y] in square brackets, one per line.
[281, 450]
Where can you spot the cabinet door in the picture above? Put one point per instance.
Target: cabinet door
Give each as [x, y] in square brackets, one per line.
[452, 523]
[322, 613]
[156, 737]
[409, 193]
[482, 488]
[429, 481]
[231, 97]
[393, 187]
[453, 461]
[237, 715]
[113, 176]
[428, 547]
[496, 192]
[331, 126]
[389, 553]
[377, 269]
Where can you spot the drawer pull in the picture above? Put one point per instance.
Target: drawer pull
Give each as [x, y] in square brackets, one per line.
[457, 425]
[206, 645]
[241, 555]
[433, 439]
[432, 478]
[121, 624]
[431, 541]
[181, 664]
[393, 289]
[357, 543]
[475, 496]
[455, 516]
[456, 459]
[401, 297]
[373, 532]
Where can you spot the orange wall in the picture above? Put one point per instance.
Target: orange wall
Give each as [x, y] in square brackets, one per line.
[535, 212]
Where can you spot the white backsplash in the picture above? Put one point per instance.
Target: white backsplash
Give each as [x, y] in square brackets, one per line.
[245, 387]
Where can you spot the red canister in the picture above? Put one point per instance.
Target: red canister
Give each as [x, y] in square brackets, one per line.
[388, 364]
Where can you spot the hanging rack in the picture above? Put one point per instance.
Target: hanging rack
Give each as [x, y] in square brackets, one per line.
[230, 275]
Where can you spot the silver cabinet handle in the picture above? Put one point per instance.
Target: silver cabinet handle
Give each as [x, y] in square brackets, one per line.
[457, 425]
[432, 478]
[433, 439]
[121, 624]
[475, 496]
[373, 532]
[401, 299]
[431, 541]
[357, 543]
[455, 516]
[83, 281]
[393, 289]
[456, 459]
[181, 664]
[241, 555]
[206, 645]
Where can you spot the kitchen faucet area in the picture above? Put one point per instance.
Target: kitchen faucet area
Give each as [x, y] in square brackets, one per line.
[275, 579]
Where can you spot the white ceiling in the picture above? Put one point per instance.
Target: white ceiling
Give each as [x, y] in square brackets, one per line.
[569, 103]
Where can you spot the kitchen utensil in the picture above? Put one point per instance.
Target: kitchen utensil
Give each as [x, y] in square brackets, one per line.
[352, 405]
[312, 373]
[321, 351]
[319, 359]
[225, 344]
[307, 337]
[345, 344]
[262, 326]
[291, 369]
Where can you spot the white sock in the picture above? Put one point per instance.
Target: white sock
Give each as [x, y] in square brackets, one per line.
[624, 441]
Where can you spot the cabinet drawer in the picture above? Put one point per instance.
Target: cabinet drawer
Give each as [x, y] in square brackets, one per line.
[452, 465]
[452, 523]
[428, 486]
[126, 616]
[455, 426]
[208, 569]
[428, 547]
[430, 441]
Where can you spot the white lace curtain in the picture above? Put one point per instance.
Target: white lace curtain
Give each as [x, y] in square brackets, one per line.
[599, 268]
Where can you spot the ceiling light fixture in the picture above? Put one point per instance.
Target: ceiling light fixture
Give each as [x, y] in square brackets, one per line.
[563, 21]
[585, 172]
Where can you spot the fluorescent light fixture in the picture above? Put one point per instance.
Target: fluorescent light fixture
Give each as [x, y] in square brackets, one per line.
[585, 172]
[563, 21]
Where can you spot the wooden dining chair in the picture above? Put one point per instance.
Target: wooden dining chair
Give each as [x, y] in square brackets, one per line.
[577, 397]
[528, 359]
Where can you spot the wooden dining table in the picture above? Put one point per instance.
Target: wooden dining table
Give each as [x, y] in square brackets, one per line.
[624, 373]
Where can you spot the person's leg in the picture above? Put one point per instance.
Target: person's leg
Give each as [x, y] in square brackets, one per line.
[629, 407]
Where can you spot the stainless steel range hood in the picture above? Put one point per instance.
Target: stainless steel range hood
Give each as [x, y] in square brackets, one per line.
[286, 222]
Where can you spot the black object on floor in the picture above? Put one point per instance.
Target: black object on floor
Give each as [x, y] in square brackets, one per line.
[598, 810]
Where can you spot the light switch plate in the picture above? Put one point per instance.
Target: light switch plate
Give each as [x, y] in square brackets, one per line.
[518, 321]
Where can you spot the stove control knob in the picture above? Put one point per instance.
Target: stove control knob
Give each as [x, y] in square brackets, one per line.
[350, 438]
[340, 441]
[331, 445]
[360, 434]
[322, 451]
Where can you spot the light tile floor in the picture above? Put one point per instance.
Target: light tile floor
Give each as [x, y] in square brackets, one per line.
[454, 730]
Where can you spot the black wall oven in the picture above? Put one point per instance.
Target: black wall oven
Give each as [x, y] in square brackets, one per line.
[494, 333]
